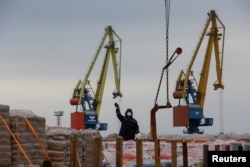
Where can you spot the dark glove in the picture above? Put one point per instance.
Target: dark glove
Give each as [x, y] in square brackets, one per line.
[116, 105]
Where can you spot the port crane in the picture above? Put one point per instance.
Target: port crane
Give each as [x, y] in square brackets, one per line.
[193, 93]
[84, 94]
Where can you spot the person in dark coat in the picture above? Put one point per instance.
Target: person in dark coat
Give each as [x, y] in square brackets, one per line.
[129, 126]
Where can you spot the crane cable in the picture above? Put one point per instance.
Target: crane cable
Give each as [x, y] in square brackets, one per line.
[167, 14]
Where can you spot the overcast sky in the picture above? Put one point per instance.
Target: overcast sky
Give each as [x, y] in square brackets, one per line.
[46, 46]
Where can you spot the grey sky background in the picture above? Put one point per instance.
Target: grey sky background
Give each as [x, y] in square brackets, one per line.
[46, 46]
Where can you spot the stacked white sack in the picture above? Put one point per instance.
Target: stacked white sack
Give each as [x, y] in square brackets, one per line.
[88, 151]
[59, 144]
[26, 138]
[5, 138]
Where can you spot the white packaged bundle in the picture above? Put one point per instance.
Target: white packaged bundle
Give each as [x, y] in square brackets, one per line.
[26, 137]
[5, 139]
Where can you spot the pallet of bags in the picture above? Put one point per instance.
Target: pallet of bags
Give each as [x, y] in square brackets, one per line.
[60, 144]
[5, 138]
[26, 137]
[88, 144]
[78, 148]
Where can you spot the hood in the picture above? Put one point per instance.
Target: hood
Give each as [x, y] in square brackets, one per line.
[128, 111]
